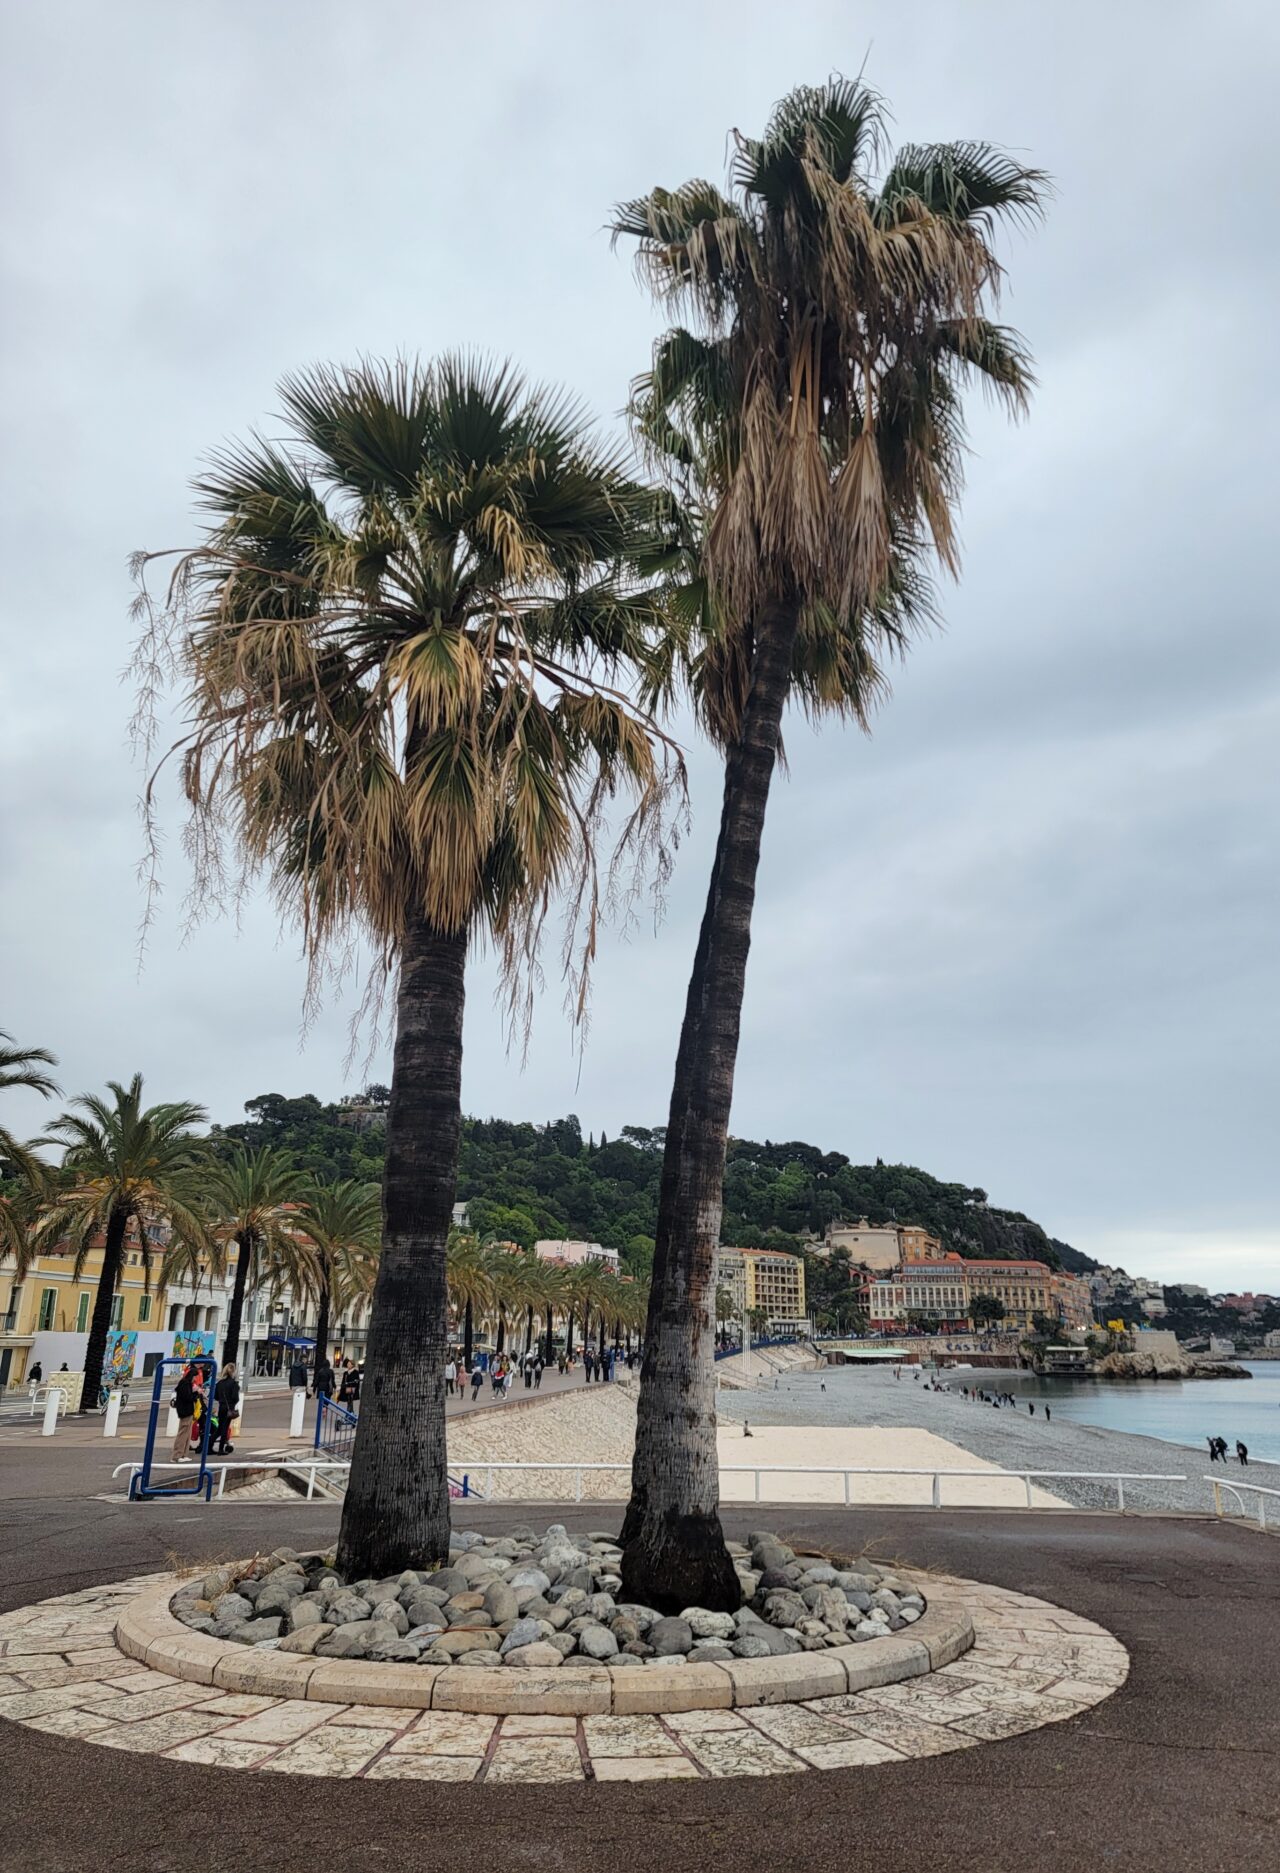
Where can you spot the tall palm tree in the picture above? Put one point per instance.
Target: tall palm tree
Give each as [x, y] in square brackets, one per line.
[342, 1218]
[814, 416]
[506, 1272]
[124, 1165]
[401, 636]
[22, 1067]
[470, 1284]
[252, 1200]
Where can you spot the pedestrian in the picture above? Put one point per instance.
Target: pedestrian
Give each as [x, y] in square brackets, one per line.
[508, 1379]
[495, 1380]
[537, 1375]
[1242, 1452]
[450, 1374]
[184, 1403]
[1047, 1414]
[226, 1398]
[746, 1429]
[1213, 1450]
[323, 1383]
[348, 1387]
[297, 1374]
[36, 1373]
[477, 1380]
[1031, 1410]
[587, 1363]
[528, 1372]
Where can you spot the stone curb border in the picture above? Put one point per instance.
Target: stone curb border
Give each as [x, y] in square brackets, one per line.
[147, 1631]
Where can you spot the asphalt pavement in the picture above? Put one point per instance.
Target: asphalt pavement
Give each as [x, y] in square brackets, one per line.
[1179, 1770]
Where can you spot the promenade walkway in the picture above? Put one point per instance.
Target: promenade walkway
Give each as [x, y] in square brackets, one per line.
[1179, 1770]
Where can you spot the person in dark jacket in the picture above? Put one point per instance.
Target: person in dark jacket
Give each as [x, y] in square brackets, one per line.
[184, 1403]
[226, 1399]
[323, 1386]
[297, 1376]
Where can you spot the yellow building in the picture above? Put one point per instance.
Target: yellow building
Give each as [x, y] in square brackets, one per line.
[1023, 1287]
[764, 1279]
[50, 1299]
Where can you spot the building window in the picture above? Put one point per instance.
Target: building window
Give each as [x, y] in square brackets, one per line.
[82, 1313]
[117, 1310]
[144, 1310]
[174, 1314]
[48, 1308]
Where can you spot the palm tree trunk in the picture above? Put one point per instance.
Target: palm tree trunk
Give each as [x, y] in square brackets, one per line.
[550, 1334]
[673, 1545]
[468, 1335]
[322, 1323]
[568, 1343]
[231, 1338]
[502, 1329]
[95, 1351]
[528, 1330]
[396, 1511]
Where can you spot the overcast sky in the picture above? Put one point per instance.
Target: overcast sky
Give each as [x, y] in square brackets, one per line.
[1025, 936]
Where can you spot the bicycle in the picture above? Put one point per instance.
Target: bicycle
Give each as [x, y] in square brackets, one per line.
[104, 1395]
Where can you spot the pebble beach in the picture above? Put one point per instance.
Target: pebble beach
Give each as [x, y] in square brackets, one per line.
[1012, 1439]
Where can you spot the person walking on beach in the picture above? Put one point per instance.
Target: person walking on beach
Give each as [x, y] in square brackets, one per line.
[1242, 1452]
[1047, 1414]
[1215, 1443]
[1031, 1410]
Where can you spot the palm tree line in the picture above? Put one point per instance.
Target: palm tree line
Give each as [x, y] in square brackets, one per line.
[142, 1179]
[427, 643]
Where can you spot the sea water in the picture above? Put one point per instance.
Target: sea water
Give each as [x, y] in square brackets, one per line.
[1181, 1411]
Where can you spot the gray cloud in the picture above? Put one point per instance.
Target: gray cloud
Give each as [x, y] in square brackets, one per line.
[1024, 935]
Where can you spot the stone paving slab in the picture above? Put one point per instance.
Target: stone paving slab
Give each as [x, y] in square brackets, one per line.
[1030, 1664]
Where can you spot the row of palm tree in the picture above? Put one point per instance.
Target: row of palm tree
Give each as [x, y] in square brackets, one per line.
[138, 1177]
[508, 1293]
[428, 636]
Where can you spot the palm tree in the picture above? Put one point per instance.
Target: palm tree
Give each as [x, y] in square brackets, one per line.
[815, 419]
[470, 1285]
[22, 1067]
[401, 635]
[343, 1220]
[505, 1269]
[252, 1200]
[124, 1164]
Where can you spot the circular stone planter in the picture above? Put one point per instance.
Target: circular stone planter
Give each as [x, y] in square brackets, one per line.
[148, 1631]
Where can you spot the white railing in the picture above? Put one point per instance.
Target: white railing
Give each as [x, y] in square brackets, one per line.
[43, 1391]
[578, 1470]
[1026, 1477]
[309, 1465]
[1254, 1489]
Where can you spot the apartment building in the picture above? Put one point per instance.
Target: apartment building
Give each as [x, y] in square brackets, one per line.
[935, 1293]
[1071, 1299]
[880, 1246]
[1023, 1288]
[767, 1279]
[45, 1316]
[574, 1253]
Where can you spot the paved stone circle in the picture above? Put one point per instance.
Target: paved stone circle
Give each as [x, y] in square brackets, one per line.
[1030, 1663]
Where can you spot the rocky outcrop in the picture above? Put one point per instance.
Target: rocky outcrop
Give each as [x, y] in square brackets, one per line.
[1165, 1366]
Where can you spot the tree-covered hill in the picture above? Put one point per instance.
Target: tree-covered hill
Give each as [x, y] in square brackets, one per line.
[523, 1181]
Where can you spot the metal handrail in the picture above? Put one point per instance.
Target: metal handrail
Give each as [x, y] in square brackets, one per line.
[1255, 1489]
[310, 1464]
[1026, 1477]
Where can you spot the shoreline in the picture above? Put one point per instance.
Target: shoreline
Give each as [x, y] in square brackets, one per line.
[861, 1398]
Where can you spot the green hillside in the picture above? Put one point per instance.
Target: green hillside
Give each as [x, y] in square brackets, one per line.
[523, 1181]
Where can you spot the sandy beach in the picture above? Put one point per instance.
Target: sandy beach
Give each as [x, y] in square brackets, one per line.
[598, 1427]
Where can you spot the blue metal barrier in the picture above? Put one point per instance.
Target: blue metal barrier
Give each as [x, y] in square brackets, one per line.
[141, 1488]
[335, 1429]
